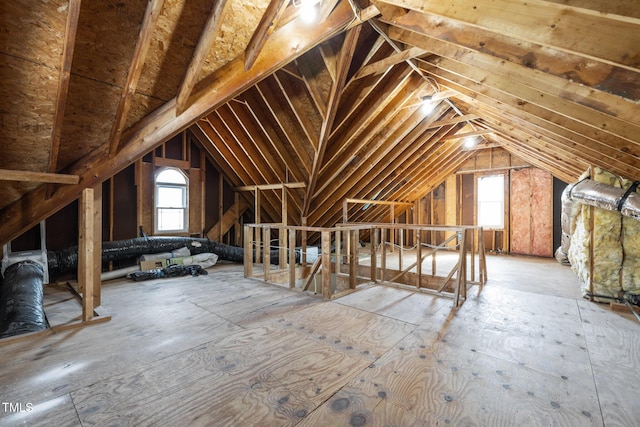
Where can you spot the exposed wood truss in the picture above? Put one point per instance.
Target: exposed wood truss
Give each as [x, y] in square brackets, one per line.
[335, 105]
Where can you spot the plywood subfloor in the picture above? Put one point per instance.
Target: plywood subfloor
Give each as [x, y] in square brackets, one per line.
[223, 350]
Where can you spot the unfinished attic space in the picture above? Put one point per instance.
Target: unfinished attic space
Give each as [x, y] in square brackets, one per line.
[320, 213]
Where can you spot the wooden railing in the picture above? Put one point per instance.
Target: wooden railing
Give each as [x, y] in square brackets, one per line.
[343, 264]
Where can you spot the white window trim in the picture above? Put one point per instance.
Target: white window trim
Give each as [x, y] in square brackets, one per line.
[185, 209]
[502, 224]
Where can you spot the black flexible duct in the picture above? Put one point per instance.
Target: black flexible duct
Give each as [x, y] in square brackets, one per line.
[21, 296]
[67, 259]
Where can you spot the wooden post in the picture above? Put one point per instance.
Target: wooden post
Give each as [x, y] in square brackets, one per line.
[483, 259]
[303, 243]
[221, 205]
[257, 220]
[345, 213]
[282, 232]
[383, 255]
[374, 242]
[325, 239]
[401, 251]
[392, 238]
[236, 225]
[591, 244]
[461, 282]
[248, 251]
[85, 252]
[338, 243]
[97, 244]
[353, 258]
[292, 259]
[419, 262]
[473, 257]
[266, 252]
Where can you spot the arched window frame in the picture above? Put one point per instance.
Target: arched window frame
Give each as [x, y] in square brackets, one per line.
[164, 216]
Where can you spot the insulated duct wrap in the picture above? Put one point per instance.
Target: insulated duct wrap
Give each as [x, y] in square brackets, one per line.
[611, 227]
[67, 259]
[21, 296]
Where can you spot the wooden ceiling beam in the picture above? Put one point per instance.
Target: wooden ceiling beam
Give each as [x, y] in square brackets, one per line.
[507, 50]
[558, 154]
[267, 25]
[454, 120]
[246, 154]
[218, 160]
[151, 15]
[311, 82]
[73, 13]
[303, 151]
[210, 31]
[43, 177]
[300, 110]
[385, 172]
[470, 134]
[377, 47]
[390, 61]
[376, 102]
[256, 138]
[218, 142]
[358, 93]
[568, 129]
[379, 169]
[157, 127]
[601, 105]
[608, 128]
[256, 115]
[378, 134]
[343, 63]
[537, 21]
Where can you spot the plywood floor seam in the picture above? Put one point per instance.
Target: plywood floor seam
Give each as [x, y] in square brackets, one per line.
[224, 350]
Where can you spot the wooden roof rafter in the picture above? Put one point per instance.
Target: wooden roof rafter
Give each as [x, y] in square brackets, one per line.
[272, 138]
[550, 26]
[549, 122]
[389, 97]
[303, 117]
[384, 167]
[230, 157]
[344, 60]
[151, 15]
[303, 156]
[315, 92]
[266, 26]
[209, 33]
[383, 133]
[73, 13]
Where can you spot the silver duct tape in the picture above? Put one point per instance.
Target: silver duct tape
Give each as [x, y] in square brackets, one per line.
[597, 194]
[631, 206]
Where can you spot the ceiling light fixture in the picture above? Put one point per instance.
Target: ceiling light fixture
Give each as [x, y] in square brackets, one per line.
[427, 105]
[308, 10]
[470, 142]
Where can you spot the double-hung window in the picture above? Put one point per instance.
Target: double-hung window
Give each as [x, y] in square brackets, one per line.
[490, 201]
[171, 201]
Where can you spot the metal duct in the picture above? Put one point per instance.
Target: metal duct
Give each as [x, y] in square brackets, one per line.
[597, 194]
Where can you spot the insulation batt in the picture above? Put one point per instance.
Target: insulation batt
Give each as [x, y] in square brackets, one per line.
[615, 235]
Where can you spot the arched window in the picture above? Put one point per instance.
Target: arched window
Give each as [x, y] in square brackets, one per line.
[172, 207]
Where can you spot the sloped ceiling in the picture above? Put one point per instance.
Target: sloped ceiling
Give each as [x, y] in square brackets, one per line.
[90, 87]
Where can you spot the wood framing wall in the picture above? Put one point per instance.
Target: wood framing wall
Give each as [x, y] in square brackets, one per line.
[528, 211]
[128, 201]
